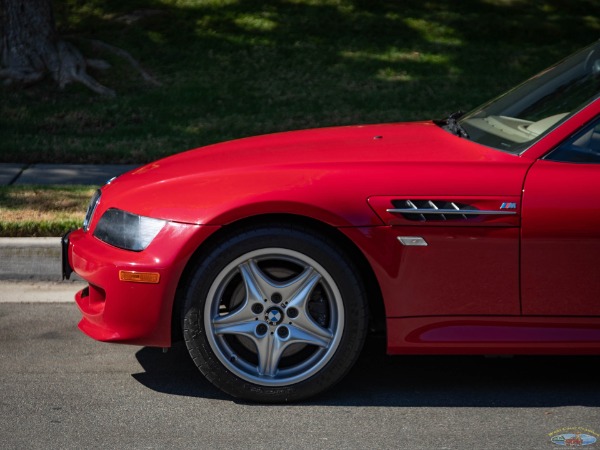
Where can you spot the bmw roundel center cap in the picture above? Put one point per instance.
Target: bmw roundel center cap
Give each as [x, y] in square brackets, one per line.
[274, 315]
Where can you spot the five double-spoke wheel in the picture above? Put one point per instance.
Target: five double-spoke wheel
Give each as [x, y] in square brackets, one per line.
[275, 314]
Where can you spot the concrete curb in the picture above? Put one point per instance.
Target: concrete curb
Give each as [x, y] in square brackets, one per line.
[31, 259]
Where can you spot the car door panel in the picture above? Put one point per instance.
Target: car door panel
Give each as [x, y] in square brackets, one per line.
[560, 269]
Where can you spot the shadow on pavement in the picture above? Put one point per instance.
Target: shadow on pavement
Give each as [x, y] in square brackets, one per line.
[414, 381]
[174, 373]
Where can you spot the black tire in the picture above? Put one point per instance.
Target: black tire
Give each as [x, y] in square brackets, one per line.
[274, 314]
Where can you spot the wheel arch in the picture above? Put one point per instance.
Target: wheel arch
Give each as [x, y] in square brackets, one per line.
[372, 289]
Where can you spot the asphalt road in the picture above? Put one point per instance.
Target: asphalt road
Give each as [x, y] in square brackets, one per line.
[60, 389]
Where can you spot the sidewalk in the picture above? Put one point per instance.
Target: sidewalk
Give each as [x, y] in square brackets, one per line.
[39, 259]
[87, 174]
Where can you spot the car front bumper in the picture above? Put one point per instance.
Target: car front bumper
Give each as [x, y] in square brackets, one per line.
[124, 311]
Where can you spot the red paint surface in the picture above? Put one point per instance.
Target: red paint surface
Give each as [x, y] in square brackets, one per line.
[524, 283]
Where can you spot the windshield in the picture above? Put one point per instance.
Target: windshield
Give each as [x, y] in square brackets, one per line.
[513, 121]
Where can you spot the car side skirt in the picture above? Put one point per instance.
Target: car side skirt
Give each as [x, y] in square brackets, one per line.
[494, 335]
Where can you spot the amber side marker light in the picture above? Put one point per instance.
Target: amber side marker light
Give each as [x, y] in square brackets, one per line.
[139, 277]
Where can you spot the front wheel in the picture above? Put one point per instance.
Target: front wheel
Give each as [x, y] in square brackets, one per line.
[275, 314]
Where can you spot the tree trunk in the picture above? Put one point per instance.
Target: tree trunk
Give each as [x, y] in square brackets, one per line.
[32, 49]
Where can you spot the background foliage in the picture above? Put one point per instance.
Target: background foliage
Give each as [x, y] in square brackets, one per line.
[42, 210]
[233, 68]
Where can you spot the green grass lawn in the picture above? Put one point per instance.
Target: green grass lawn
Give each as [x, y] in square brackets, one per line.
[233, 68]
[27, 211]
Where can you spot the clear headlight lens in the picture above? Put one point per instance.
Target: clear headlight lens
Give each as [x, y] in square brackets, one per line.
[91, 209]
[127, 231]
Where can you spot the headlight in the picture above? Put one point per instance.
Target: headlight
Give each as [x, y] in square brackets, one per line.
[91, 209]
[127, 231]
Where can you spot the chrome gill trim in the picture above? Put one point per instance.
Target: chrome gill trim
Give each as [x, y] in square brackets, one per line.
[413, 208]
[461, 212]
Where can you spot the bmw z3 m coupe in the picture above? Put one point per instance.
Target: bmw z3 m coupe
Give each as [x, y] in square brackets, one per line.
[272, 256]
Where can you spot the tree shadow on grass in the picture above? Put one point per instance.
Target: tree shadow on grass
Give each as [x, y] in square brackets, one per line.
[414, 381]
[238, 68]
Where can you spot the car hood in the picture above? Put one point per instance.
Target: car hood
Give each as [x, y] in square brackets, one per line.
[293, 172]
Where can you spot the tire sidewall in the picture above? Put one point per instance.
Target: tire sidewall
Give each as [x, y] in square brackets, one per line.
[320, 249]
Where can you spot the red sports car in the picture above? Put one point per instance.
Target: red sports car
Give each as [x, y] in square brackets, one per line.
[272, 256]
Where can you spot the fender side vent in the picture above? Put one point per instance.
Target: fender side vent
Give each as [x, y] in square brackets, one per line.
[433, 210]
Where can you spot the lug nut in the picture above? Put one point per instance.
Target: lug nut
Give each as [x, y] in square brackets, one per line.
[283, 332]
[257, 308]
[292, 313]
[276, 298]
[261, 329]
